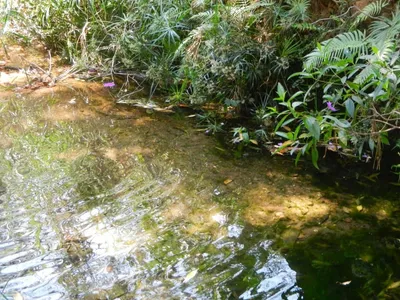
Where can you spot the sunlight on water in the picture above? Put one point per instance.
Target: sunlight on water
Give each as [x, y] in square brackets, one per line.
[86, 217]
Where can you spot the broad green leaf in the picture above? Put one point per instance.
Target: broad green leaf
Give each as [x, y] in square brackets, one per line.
[281, 92]
[304, 135]
[371, 144]
[352, 85]
[357, 99]
[314, 156]
[296, 104]
[342, 137]
[245, 136]
[384, 138]
[296, 95]
[288, 122]
[313, 127]
[296, 132]
[349, 107]
[282, 134]
[281, 122]
[327, 87]
[340, 123]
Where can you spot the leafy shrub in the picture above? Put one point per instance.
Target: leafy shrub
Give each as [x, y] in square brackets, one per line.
[352, 97]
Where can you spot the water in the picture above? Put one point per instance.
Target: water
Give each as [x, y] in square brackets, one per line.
[108, 202]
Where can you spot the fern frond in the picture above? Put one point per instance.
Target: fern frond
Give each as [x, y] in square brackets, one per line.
[314, 59]
[338, 47]
[385, 50]
[202, 16]
[368, 73]
[371, 10]
[385, 29]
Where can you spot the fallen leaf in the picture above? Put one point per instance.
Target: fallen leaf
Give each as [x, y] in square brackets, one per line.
[227, 181]
[190, 275]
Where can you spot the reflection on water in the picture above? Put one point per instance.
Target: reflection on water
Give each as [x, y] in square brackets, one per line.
[83, 216]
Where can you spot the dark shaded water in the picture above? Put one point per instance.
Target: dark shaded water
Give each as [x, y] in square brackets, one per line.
[101, 202]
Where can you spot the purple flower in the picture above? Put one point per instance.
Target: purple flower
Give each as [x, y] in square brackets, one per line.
[280, 144]
[109, 84]
[330, 106]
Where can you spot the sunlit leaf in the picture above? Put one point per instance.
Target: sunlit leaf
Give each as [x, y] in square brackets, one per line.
[296, 104]
[190, 275]
[394, 285]
[282, 134]
[281, 92]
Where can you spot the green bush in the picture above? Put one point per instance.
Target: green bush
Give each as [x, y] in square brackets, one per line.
[352, 95]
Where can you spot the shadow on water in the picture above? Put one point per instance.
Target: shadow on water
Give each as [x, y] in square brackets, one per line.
[106, 202]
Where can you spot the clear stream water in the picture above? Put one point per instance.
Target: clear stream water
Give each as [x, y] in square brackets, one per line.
[99, 201]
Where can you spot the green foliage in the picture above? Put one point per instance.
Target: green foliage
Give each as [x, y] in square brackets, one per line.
[236, 53]
[338, 47]
[231, 50]
[371, 10]
[216, 52]
[352, 99]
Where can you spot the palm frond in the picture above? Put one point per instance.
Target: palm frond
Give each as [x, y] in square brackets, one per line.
[384, 50]
[368, 72]
[202, 16]
[385, 29]
[371, 10]
[338, 47]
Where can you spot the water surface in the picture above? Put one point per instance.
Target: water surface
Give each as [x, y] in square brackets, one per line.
[100, 201]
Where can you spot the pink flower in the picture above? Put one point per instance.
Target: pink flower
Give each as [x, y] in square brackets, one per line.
[330, 106]
[109, 84]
